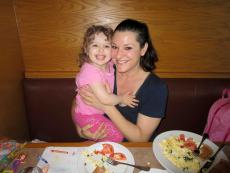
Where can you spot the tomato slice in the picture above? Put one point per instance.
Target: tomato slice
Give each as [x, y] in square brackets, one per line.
[118, 156]
[190, 139]
[189, 143]
[97, 152]
[182, 137]
[107, 149]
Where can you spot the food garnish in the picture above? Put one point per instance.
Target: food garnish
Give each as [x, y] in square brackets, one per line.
[108, 151]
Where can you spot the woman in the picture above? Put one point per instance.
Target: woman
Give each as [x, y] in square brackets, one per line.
[134, 57]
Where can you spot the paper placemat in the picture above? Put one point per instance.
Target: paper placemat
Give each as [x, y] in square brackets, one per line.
[60, 159]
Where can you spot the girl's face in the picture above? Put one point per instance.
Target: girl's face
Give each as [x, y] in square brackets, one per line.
[99, 50]
[126, 51]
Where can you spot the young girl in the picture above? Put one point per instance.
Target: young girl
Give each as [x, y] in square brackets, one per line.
[97, 72]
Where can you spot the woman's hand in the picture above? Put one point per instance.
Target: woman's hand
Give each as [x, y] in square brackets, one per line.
[89, 97]
[85, 132]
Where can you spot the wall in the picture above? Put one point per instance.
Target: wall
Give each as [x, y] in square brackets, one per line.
[192, 37]
[12, 114]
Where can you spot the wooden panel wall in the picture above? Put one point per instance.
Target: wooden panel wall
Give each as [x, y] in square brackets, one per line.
[192, 37]
[12, 112]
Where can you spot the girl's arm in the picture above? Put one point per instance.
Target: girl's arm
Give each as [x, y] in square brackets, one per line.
[108, 98]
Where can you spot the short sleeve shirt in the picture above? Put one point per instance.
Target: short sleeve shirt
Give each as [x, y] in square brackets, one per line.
[152, 96]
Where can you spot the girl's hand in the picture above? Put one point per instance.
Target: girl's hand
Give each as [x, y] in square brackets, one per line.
[129, 100]
[100, 133]
[89, 97]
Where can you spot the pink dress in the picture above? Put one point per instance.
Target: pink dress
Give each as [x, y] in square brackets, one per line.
[85, 114]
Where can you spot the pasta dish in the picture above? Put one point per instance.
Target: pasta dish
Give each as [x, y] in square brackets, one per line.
[179, 151]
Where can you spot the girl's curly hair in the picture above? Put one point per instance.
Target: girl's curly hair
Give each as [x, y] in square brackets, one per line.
[89, 37]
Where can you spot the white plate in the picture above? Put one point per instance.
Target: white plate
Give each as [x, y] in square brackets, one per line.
[154, 170]
[158, 151]
[84, 168]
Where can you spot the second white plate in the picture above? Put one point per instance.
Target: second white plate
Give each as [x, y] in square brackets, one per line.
[158, 151]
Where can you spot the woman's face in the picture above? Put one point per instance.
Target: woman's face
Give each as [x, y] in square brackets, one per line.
[126, 51]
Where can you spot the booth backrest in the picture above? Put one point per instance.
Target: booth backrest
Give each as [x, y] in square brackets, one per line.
[48, 105]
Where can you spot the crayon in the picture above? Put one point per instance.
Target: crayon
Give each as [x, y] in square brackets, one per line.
[59, 151]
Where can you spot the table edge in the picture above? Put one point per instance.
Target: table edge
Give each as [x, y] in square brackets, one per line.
[85, 144]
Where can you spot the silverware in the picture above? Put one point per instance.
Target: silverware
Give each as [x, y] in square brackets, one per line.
[210, 161]
[115, 162]
[197, 151]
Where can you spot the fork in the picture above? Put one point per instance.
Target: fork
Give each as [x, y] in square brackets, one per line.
[115, 162]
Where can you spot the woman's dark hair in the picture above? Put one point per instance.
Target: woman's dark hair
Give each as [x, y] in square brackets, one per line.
[147, 62]
[89, 37]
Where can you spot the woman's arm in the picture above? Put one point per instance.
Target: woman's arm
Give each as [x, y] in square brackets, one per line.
[140, 132]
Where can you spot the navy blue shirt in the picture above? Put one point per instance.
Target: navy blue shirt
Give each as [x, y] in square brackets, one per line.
[152, 96]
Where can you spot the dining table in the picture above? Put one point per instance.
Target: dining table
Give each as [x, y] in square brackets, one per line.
[141, 151]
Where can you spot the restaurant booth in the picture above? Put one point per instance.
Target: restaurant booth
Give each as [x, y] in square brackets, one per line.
[188, 105]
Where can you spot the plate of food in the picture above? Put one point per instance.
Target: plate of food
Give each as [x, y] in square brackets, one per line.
[174, 151]
[93, 158]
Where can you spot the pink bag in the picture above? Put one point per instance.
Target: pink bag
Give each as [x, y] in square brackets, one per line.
[218, 122]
